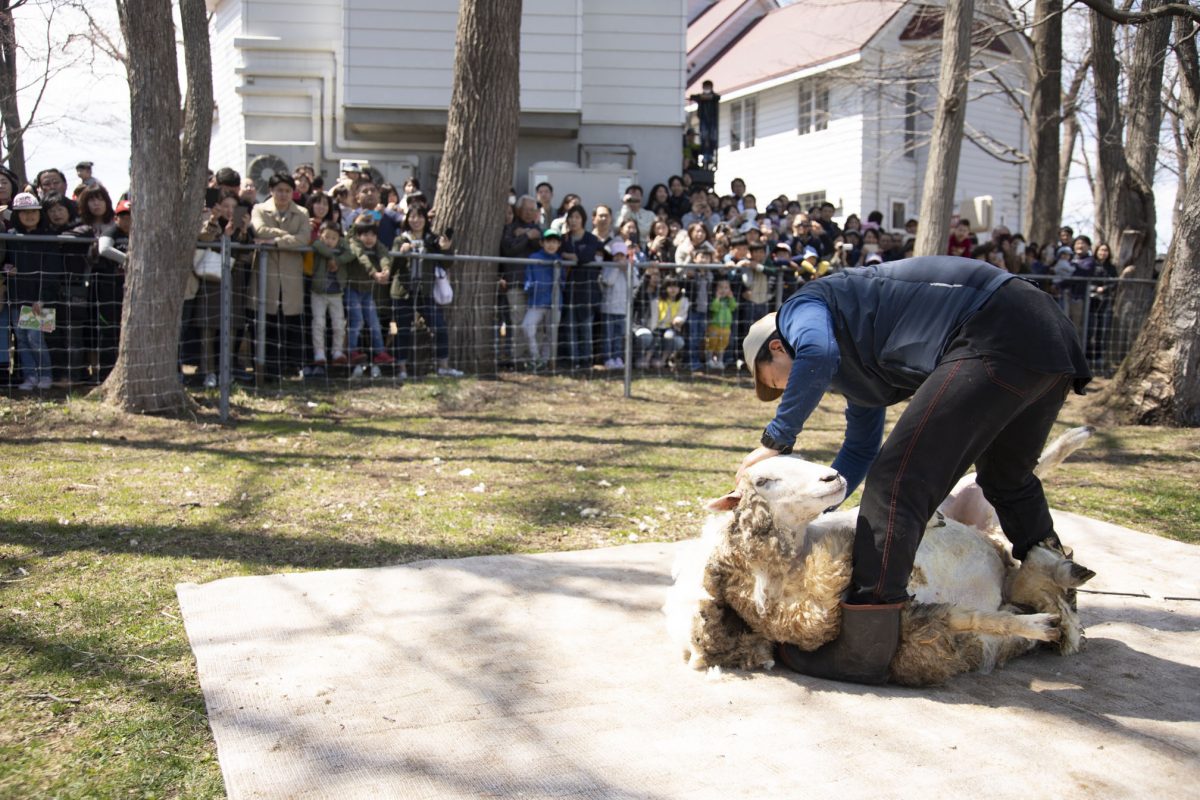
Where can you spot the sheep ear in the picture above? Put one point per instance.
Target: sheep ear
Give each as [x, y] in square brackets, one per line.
[726, 503]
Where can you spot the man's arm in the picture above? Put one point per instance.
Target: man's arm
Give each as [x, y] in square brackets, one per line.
[809, 330]
[864, 435]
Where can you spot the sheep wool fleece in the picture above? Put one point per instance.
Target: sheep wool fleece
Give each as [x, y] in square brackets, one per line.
[1002, 364]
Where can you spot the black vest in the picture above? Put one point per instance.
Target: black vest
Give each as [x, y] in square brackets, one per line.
[893, 322]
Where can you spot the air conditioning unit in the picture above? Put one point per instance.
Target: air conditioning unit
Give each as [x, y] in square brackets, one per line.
[977, 211]
[263, 168]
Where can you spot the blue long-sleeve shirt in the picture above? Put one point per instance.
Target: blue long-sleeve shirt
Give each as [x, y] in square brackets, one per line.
[807, 326]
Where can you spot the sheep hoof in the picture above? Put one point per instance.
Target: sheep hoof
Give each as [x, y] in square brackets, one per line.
[1048, 625]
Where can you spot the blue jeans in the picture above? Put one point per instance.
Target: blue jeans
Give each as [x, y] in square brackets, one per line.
[3, 333]
[578, 321]
[358, 305]
[614, 336]
[34, 354]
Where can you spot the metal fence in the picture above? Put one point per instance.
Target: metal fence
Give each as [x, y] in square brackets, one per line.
[228, 338]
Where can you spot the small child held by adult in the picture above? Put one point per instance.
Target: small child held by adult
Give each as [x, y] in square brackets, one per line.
[614, 287]
[720, 322]
[334, 256]
[371, 265]
[539, 298]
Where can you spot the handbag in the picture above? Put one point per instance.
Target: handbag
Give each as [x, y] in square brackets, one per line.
[207, 265]
[443, 292]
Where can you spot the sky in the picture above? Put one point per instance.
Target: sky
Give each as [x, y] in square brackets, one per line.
[84, 112]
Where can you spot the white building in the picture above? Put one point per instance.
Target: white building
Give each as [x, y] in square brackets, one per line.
[318, 81]
[833, 99]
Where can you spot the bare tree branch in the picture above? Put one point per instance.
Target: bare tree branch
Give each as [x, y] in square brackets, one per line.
[1139, 17]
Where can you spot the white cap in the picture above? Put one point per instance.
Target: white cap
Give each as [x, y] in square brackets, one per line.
[759, 333]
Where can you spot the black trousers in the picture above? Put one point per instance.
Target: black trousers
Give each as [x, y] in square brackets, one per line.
[981, 410]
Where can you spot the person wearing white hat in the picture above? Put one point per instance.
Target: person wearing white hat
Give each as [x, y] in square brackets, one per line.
[614, 287]
[985, 360]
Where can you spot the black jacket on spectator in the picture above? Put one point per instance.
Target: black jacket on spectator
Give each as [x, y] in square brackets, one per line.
[515, 244]
[39, 268]
[583, 277]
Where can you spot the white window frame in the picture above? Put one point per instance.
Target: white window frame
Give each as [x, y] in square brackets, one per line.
[809, 199]
[813, 101]
[743, 114]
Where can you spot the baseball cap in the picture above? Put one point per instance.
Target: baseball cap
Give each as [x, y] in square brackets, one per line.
[26, 202]
[874, 258]
[783, 246]
[550, 233]
[123, 207]
[758, 335]
[616, 247]
[811, 252]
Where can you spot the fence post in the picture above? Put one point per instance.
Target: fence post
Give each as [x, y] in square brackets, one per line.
[1087, 303]
[629, 288]
[556, 306]
[225, 338]
[260, 319]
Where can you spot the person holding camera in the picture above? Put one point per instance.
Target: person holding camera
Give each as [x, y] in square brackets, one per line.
[413, 302]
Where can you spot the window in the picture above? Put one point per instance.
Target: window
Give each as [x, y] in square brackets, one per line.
[899, 214]
[814, 107]
[911, 109]
[742, 115]
[810, 199]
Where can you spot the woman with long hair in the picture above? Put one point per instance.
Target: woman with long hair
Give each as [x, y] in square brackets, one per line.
[412, 290]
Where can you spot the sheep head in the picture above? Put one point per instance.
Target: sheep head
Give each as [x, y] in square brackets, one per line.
[795, 491]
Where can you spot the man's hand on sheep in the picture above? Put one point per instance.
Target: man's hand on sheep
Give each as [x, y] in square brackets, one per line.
[755, 456]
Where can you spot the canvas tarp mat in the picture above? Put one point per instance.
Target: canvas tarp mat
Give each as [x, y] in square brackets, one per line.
[551, 676]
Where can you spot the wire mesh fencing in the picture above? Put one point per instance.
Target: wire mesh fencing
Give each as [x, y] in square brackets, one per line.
[258, 317]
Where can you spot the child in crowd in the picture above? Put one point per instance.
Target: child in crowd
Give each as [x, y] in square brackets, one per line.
[614, 286]
[960, 239]
[372, 265]
[720, 322]
[332, 257]
[539, 294]
[33, 283]
[811, 265]
[662, 333]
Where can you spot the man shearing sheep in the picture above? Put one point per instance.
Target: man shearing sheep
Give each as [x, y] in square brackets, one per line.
[987, 360]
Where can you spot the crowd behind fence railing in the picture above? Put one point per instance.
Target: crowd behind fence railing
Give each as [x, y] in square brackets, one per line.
[648, 318]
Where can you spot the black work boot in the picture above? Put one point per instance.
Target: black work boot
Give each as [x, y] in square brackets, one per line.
[860, 654]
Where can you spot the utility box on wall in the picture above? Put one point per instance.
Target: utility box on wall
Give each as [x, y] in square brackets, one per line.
[600, 184]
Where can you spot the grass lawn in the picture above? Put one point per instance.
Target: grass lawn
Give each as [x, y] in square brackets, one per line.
[101, 515]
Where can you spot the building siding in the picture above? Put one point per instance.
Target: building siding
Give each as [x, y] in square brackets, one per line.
[229, 132]
[782, 161]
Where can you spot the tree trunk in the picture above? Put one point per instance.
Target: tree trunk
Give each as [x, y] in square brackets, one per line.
[1126, 154]
[1159, 382]
[1125, 168]
[477, 167]
[941, 174]
[1043, 211]
[167, 183]
[10, 114]
[1070, 133]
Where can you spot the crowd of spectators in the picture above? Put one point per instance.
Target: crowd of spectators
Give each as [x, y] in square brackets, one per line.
[706, 265]
[348, 289]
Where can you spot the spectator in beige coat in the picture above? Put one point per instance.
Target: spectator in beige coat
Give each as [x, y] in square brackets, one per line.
[283, 226]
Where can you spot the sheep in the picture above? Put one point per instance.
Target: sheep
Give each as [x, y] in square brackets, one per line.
[773, 568]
